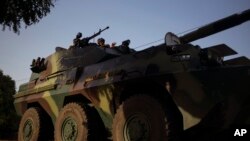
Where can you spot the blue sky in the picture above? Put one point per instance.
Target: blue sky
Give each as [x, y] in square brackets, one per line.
[141, 21]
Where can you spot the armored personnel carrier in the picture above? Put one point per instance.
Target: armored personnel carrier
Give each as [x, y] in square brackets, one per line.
[172, 91]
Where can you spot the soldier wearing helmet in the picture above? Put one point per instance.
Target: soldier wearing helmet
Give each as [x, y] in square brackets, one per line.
[124, 47]
[101, 43]
[77, 40]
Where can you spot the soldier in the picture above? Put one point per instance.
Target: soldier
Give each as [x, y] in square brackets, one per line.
[124, 47]
[77, 40]
[101, 43]
[113, 45]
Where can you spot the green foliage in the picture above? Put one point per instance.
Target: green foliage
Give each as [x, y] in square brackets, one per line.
[8, 119]
[15, 12]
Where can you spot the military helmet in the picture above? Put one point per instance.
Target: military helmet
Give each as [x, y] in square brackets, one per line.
[126, 42]
[101, 40]
[79, 35]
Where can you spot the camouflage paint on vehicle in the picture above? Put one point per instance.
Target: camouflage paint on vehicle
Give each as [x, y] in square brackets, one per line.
[196, 78]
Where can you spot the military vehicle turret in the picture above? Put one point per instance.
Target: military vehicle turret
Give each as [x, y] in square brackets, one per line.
[170, 91]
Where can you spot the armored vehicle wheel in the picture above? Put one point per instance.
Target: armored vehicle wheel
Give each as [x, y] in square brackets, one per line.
[141, 117]
[78, 122]
[30, 127]
[71, 124]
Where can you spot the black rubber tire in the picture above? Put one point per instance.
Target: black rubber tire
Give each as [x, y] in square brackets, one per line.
[142, 117]
[83, 126]
[30, 127]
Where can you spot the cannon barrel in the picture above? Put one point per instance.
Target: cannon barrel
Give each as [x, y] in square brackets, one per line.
[217, 26]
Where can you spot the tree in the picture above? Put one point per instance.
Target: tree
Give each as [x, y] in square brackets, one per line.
[8, 118]
[15, 12]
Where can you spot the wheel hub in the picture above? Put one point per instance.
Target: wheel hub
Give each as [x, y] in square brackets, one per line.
[28, 130]
[137, 128]
[69, 129]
